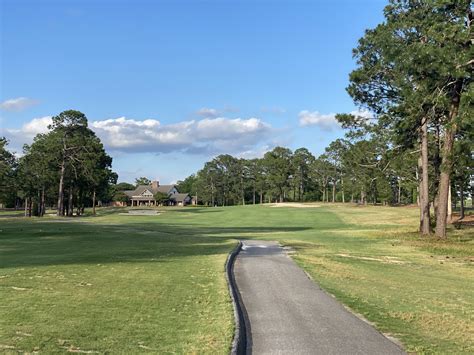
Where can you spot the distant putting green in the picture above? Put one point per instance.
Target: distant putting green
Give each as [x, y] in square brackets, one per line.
[127, 283]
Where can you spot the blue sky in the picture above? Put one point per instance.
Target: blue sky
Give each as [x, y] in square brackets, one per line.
[169, 84]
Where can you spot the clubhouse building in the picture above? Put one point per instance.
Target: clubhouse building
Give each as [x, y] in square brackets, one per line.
[143, 195]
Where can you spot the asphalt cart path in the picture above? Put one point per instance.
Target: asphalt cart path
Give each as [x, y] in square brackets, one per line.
[287, 313]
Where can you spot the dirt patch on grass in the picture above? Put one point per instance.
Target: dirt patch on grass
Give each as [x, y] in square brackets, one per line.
[383, 259]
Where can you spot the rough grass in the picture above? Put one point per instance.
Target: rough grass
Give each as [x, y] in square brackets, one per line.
[419, 291]
[126, 284]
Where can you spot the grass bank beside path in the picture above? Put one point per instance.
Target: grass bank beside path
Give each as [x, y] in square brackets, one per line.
[129, 284]
[419, 291]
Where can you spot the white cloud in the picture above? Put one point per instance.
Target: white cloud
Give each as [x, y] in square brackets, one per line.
[18, 104]
[324, 121]
[327, 121]
[36, 125]
[209, 135]
[24, 135]
[257, 152]
[205, 136]
[208, 112]
[29, 130]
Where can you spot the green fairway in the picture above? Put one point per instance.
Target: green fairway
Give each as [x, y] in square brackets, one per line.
[119, 283]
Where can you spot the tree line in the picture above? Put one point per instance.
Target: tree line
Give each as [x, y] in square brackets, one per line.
[414, 73]
[365, 171]
[67, 167]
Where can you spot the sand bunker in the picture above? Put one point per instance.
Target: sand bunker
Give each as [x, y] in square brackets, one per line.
[295, 204]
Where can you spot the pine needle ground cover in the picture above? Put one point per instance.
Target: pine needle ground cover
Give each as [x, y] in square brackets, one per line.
[118, 283]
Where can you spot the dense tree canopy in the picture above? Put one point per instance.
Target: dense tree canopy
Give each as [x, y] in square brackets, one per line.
[67, 167]
[415, 73]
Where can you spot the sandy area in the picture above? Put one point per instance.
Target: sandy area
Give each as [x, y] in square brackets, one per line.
[295, 204]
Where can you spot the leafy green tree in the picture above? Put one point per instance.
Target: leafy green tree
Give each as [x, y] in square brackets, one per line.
[321, 171]
[257, 178]
[68, 129]
[38, 169]
[279, 170]
[123, 186]
[161, 197]
[121, 197]
[206, 183]
[302, 160]
[7, 172]
[142, 181]
[188, 185]
[71, 158]
[416, 69]
[463, 169]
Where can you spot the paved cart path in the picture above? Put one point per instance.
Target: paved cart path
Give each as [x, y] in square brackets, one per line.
[289, 314]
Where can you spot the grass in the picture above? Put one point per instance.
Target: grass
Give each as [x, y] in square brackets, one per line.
[12, 213]
[113, 284]
[127, 284]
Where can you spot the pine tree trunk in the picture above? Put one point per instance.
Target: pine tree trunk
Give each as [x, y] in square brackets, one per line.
[418, 188]
[333, 192]
[342, 190]
[242, 192]
[420, 197]
[437, 169]
[70, 205]
[38, 208]
[446, 164]
[30, 207]
[93, 202]
[61, 189]
[43, 202]
[461, 211]
[399, 197]
[425, 222]
[26, 206]
[450, 205]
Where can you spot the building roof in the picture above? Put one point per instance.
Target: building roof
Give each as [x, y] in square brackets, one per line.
[179, 197]
[166, 189]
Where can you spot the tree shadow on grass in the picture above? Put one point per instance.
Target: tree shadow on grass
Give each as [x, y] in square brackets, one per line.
[45, 243]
